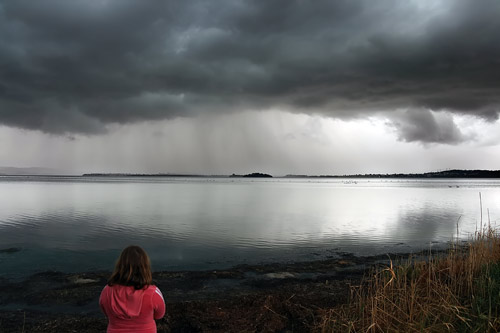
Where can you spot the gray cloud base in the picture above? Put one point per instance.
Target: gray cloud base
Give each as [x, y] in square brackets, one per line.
[76, 66]
[427, 127]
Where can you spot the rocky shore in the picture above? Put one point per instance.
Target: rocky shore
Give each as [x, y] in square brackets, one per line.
[277, 297]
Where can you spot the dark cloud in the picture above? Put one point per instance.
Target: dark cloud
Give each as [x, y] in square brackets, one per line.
[427, 127]
[76, 66]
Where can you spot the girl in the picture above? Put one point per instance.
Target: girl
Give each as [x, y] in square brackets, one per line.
[130, 300]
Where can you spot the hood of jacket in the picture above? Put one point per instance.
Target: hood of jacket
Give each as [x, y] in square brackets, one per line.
[126, 302]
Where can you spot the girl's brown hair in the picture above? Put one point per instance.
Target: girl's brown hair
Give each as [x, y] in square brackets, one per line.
[133, 268]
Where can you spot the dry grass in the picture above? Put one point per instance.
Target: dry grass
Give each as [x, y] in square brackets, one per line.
[459, 291]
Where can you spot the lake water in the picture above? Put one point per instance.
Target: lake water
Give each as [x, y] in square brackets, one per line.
[80, 224]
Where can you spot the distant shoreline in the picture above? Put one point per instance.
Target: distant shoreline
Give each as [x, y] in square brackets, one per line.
[427, 175]
[446, 174]
[436, 174]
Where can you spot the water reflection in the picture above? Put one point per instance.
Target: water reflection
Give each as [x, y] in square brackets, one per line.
[77, 225]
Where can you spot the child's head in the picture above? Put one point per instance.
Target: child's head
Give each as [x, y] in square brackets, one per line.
[133, 268]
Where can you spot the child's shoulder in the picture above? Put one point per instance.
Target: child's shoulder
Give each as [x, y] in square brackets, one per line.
[152, 288]
[155, 290]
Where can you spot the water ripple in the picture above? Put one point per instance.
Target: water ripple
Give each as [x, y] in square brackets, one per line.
[185, 222]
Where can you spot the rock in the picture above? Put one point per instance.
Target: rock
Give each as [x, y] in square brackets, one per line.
[280, 275]
[80, 280]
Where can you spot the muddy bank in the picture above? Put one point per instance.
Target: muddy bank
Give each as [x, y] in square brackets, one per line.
[272, 297]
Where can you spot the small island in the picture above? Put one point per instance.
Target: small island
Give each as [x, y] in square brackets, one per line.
[253, 175]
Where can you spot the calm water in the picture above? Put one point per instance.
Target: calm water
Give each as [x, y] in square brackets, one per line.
[79, 224]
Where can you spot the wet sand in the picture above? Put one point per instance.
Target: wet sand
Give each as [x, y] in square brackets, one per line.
[276, 297]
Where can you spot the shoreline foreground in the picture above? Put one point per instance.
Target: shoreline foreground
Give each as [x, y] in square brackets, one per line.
[454, 289]
[266, 297]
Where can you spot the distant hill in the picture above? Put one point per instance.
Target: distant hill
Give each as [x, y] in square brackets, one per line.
[464, 174]
[436, 174]
[33, 171]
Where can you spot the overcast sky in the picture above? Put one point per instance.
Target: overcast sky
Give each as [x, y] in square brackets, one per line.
[216, 87]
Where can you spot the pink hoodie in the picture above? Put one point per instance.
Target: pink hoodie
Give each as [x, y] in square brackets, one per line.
[130, 310]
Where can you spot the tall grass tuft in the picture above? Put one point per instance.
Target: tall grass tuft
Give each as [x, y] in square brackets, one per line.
[456, 291]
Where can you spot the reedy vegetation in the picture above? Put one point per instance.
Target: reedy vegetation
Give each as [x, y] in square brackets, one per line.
[458, 292]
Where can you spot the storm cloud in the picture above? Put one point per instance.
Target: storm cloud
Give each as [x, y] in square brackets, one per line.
[427, 127]
[78, 66]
